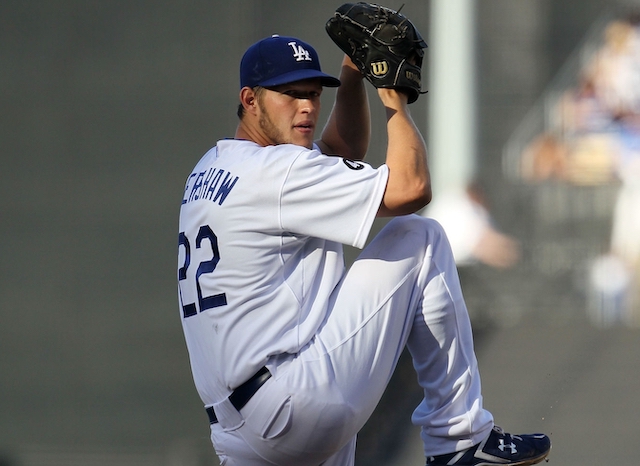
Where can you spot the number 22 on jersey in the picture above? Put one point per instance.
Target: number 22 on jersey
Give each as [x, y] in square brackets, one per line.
[187, 281]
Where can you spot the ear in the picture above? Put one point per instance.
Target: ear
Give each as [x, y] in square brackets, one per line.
[249, 100]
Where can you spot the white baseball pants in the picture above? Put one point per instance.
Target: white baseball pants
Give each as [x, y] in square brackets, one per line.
[402, 290]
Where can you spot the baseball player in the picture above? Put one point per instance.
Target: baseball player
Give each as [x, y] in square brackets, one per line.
[289, 351]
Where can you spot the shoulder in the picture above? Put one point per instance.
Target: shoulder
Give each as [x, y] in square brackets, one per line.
[239, 147]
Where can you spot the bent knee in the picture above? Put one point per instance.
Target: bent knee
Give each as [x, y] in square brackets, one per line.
[418, 223]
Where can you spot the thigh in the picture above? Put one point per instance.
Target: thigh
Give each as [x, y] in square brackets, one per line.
[372, 311]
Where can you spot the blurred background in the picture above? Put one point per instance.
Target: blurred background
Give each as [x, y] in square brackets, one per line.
[532, 123]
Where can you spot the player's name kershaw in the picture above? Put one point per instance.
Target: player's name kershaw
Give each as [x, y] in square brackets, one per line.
[214, 185]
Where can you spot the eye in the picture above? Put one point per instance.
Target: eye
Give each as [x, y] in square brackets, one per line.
[295, 94]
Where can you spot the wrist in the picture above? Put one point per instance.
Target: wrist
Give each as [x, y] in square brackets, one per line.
[392, 97]
[348, 64]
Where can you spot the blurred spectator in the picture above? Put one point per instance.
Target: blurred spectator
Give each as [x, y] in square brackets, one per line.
[466, 219]
[615, 69]
[584, 146]
[596, 141]
[608, 291]
[582, 111]
[544, 159]
[625, 234]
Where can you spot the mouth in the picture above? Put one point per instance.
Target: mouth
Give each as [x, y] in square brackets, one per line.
[305, 126]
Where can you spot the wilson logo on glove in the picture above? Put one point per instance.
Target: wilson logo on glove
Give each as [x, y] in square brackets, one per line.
[379, 68]
[411, 76]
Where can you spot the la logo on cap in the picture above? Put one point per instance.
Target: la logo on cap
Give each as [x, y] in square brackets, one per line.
[299, 52]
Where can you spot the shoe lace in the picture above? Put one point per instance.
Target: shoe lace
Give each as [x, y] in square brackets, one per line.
[499, 430]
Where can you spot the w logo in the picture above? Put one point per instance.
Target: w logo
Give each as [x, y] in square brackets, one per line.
[299, 52]
[379, 68]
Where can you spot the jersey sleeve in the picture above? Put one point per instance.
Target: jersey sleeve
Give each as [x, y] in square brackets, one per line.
[331, 198]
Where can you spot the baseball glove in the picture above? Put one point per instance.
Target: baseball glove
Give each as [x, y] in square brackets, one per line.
[382, 43]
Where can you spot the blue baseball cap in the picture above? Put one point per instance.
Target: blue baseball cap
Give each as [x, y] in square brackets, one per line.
[279, 60]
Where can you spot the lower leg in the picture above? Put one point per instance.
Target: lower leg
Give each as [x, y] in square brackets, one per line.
[456, 429]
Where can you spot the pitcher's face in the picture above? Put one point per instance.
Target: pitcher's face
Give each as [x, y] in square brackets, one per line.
[289, 112]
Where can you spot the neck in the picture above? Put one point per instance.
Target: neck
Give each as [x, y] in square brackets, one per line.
[248, 133]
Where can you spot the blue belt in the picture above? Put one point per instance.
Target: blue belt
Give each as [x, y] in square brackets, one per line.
[243, 393]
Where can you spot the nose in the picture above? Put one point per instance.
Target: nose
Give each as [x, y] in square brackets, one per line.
[309, 105]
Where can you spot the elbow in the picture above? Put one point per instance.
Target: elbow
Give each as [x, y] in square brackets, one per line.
[421, 197]
[420, 193]
[426, 194]
[405, 201]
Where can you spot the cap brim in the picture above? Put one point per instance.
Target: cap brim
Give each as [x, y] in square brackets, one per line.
[299, 75]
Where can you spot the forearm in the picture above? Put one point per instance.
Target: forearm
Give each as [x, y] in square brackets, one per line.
[409, 184]
[348, 130]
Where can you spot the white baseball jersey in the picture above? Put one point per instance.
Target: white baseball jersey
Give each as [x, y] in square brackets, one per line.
[260, 251]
